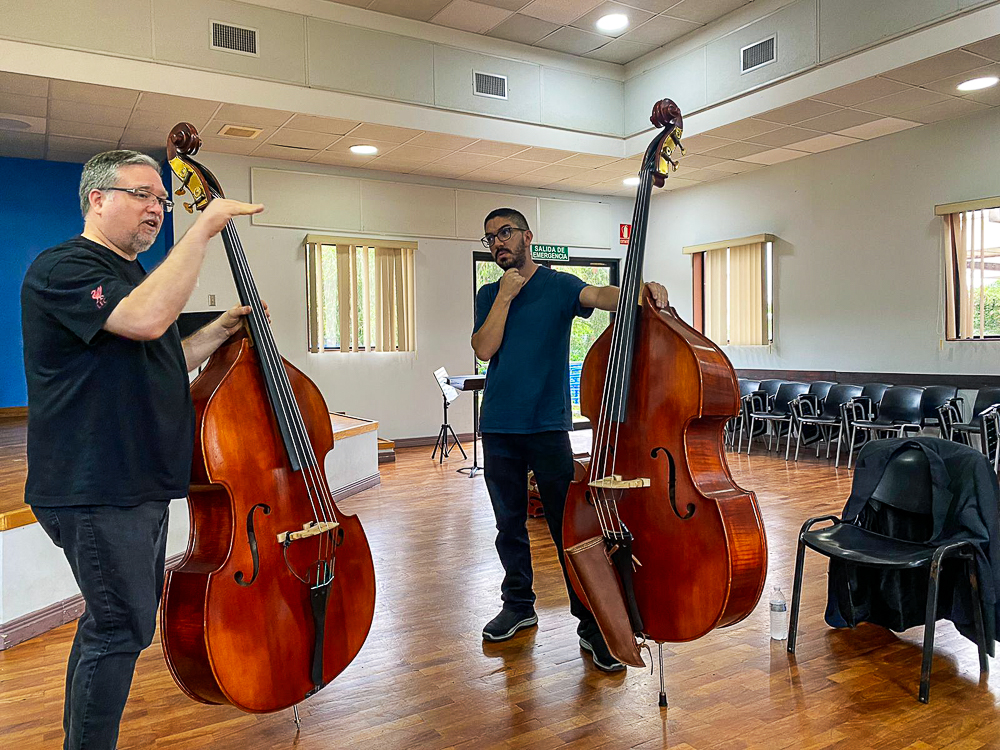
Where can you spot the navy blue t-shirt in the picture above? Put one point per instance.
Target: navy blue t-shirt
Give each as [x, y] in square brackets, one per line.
[527, 383]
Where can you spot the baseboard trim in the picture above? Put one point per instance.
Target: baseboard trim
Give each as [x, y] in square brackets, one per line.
[23, 628]
[416, 442]
[355, 487]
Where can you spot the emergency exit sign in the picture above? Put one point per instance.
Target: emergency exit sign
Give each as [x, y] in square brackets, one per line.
[550, 252]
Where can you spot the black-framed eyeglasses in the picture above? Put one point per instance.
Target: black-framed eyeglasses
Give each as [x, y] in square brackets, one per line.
[146, 196]
[503, 234]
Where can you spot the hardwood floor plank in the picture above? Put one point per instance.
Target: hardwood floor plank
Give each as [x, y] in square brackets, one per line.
[426, 680]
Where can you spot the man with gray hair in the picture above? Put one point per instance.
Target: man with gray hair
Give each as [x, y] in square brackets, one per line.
[110, 419]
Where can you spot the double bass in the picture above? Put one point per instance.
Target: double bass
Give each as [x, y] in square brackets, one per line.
[275, 594]
[661, 542]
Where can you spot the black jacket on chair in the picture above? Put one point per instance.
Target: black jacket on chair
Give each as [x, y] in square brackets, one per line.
[964, 506]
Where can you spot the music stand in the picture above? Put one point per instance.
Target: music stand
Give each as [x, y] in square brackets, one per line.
[474, 383]
[446, 433]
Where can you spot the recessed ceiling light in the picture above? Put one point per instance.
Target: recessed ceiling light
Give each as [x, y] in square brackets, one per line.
[612, 22]
[364, 150]
[978, 83]
[630, 181]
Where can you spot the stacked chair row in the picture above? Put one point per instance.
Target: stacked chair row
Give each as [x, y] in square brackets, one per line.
[822, 411]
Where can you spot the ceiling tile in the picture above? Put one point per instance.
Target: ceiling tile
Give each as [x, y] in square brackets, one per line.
[585, 179]
[697, 144]
[677, 183]
[523, 29]
[494, 148]
[861, 91]
[736, 150]
[415, 156]
[470, 16]
[422, 10]
[486, 174]
[588, 161]
[106, 96]
[836, 121]
[654, 6]
[341, 159]
[314, 124]
[935, 68]
[179, 107]
[215, 144]
[528, 180]
[823, 143]
[147, 139]
[559, 11]
[441, 140]
[89, 146]
[588, 21]
[388, 164]
[467, 162]
[93, 113]
[704, 11]
[904, 101]
[695, 161]
[506, 4]
[945, 110]
[990, 96]
[878, 128]
[621, 52]
[774, 156]
[987, 48]
[742, 129]
[435, 170]
[163, 121]
[521, 166]
[796, 112]
[949, 85]
[736, 166]
[87, 130]
[548, 155]
[287, 153]
[22, 145]
[783, 136]
[302, 139]
[19, 104]
[558, 171]
[383, 133]
[13, 83]
[573, 41]
[659, 30]
[236, 114]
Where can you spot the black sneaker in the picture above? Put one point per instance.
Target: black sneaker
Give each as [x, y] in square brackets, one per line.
[603, 659]
[505, 624]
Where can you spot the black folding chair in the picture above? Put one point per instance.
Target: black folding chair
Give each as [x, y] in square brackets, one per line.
[824, 417]
[898, 413]
[906, 488]
[962, 432]
[759, 401]
[778, 417]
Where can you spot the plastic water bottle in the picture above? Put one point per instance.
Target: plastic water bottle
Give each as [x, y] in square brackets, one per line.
[779, 615]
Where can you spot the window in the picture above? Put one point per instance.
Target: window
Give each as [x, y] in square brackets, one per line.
[360, 295]
[733, 290]
[972, 270]
[593, 271]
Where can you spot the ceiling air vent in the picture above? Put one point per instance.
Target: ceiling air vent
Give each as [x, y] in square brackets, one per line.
[239, 131]
[228, 38]
[488, 84]
[756, 55]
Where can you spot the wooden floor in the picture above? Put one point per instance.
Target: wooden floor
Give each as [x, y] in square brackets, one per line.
[425, 679]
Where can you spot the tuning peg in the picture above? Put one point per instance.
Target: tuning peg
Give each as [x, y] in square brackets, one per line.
[189, 207]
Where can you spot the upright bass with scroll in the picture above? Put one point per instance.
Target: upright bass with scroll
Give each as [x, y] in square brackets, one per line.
[662, 543]
[276, 592]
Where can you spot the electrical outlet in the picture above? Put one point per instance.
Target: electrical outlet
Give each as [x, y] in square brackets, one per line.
[211, 300]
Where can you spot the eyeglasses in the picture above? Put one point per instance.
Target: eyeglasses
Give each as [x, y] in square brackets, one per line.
[503, 234]
[146, 197]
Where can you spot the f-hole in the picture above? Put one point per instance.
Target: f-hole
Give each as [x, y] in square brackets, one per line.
[672, 485]
[252, 540]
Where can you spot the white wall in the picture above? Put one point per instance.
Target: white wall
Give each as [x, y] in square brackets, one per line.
[397, 389]
[858, 270]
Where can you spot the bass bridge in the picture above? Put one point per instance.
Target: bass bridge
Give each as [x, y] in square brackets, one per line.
[615, 482]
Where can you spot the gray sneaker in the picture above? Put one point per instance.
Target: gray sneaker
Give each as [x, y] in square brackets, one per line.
[603, 659]
[505, 624]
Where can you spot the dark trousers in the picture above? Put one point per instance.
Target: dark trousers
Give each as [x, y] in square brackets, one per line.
[506, 460]
[117, 556]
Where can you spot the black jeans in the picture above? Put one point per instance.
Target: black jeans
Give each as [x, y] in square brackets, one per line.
[506, 460]
[117, 556]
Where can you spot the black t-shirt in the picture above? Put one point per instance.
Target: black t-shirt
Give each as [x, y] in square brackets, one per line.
[110, 420]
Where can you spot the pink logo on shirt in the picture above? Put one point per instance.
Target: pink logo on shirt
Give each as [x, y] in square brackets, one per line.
[98, 296]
